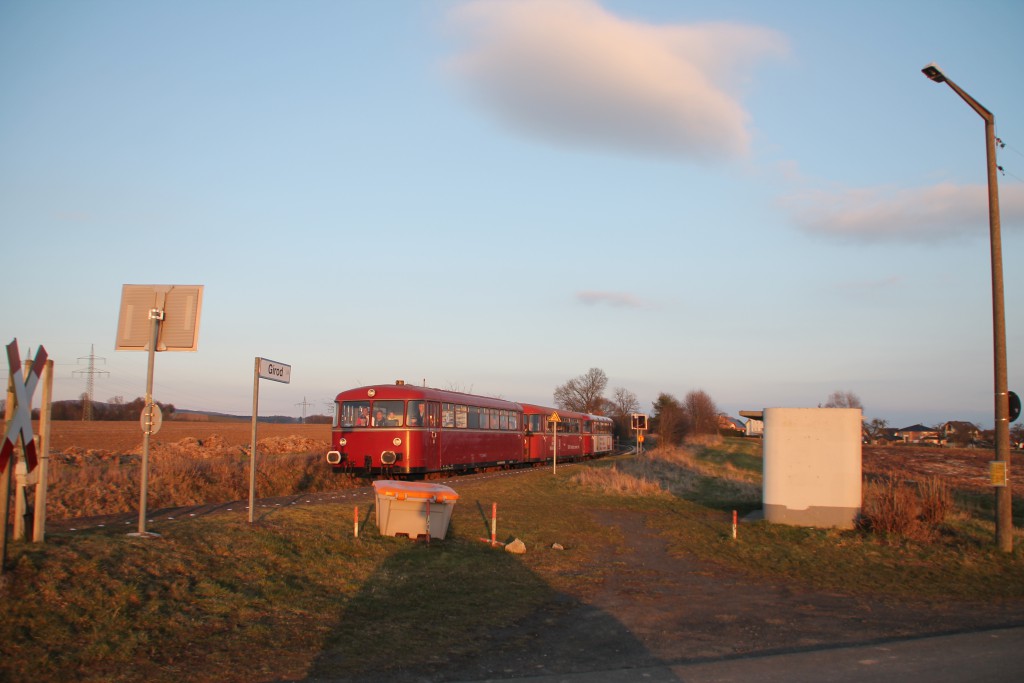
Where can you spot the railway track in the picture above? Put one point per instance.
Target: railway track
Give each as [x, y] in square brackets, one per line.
[164, 517]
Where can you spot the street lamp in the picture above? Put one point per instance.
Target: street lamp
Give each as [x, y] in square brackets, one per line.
[1004, 511]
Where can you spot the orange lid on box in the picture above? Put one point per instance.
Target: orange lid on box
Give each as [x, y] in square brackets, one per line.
[415, 489]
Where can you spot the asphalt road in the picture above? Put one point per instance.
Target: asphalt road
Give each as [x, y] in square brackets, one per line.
[989, 656]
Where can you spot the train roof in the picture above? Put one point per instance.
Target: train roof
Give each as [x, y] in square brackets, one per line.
[533, 409]
[407, 392]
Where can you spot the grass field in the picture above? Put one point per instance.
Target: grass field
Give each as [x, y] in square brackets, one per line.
[216, 599]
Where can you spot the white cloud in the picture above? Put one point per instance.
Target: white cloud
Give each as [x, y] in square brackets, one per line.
[926, 214]
[616, 299]
[571, 72]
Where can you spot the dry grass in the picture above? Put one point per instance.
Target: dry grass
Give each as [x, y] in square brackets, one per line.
[95, 467]
[612, 481]
[174, 481]
[897, 506]
[679, 471]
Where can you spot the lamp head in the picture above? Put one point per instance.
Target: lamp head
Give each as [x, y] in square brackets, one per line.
[933, 72]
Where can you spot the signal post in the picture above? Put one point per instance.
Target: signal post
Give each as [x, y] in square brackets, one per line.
[639, 425]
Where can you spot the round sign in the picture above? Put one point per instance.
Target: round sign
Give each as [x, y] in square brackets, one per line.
[151, 419]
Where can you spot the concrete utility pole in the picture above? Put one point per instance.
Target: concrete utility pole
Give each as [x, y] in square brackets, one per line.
[1004, 507]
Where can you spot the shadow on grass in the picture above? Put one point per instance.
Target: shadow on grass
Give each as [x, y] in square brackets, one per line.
[460, 610]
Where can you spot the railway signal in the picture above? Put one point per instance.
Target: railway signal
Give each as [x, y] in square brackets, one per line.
[639, 424]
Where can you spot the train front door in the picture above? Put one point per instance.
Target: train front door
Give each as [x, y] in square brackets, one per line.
[432, 443]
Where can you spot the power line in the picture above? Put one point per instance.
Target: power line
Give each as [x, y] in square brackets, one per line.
[89, 373]
[305, 404]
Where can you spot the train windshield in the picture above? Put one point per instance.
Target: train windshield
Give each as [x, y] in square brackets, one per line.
[387, 413]
[372, 414]
[355, 414]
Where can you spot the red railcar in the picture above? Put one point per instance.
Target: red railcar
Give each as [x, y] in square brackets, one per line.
[580, 435]
[405, 430]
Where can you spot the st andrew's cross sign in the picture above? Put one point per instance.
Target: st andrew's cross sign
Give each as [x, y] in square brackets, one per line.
[20, 425]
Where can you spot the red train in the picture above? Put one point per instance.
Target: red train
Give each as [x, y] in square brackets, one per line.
[405, 431]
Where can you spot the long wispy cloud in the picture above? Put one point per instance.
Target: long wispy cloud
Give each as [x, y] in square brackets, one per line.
[571, 72]
[614, 299]
[926, 214]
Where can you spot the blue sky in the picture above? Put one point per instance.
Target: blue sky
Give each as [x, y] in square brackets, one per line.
[766, 201]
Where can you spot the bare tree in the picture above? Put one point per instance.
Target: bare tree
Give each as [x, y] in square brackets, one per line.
[624, 402]
[876, 428]
[701, 412]
[622, 406]
[1017, 434]
[583, 394]
[669, 419]
[843, 399]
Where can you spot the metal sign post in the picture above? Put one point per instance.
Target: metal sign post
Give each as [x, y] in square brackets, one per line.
[156, 318]
[277, 372]
[155, 315]
[554, 419]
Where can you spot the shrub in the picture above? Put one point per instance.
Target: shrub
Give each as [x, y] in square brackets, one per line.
[895, 506]
[936, 501]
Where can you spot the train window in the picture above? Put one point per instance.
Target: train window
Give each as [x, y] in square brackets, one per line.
[387, 413]
[495, 422]
[534, 423]
[504, 419]
[417, 415]
[485, 420]
[447, 415]
[355, 414]
[461, 419]
[474, 418]
[513, 421]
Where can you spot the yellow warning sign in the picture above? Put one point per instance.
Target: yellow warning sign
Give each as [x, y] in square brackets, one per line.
[554, 418]
[997, 472]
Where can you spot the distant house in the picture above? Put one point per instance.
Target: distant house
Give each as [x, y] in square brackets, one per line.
[729, 426]
[918, 434]
[883, 436]
[754, 427]
[959, 432]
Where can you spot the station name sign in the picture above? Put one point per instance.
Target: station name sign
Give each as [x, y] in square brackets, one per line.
[278, 372]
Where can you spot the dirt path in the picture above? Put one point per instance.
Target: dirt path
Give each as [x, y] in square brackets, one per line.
[658, 609]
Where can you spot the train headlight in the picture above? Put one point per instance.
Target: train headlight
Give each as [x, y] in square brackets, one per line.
[397, 441]
[334, 458]
[388, 458]
[342, 442]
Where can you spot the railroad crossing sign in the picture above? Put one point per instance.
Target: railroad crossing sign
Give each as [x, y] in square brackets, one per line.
[20, 425]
